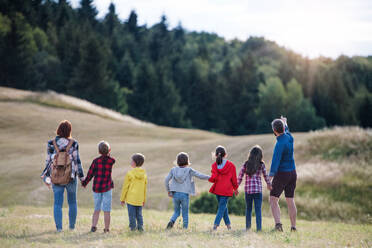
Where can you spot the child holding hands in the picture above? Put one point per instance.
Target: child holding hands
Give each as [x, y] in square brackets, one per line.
[252, 169]
[134, 192]
[179, 184]
[224, 185]
[101, 170]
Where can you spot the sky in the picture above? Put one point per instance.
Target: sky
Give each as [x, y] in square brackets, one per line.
[310, 27]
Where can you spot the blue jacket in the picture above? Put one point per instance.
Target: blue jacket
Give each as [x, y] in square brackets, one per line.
[283, 159]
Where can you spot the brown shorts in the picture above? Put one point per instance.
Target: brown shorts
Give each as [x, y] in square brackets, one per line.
[284, 180]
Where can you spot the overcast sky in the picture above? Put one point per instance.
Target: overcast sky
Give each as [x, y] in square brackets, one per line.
[310, 27]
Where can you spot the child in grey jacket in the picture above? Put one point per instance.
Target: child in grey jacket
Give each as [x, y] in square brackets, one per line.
[180, 187]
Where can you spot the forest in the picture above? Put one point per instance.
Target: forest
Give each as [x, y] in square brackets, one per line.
[174, 76]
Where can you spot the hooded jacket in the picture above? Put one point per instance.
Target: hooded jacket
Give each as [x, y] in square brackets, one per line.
[224, 180]
[181, 180]
[134, 187]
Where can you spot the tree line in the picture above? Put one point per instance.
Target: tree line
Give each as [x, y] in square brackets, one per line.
[176, 77]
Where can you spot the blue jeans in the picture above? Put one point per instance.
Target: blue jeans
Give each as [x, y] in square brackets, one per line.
[181, 202]
[135, 213]
[59, 191]
[222, 211]
[102, 201]
[249, 199]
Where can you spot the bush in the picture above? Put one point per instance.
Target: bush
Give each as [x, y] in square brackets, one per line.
[207, 203]
[204, 203]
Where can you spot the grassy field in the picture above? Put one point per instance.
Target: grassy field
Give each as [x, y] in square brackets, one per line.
[33, 227]
[334, 169]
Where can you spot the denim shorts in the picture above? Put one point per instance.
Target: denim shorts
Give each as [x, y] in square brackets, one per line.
[102, 201]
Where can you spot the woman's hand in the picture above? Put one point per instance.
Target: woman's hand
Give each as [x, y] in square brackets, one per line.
[236, 192]
[269, 187]
[122, 203]
[47, 184]
[170, 194]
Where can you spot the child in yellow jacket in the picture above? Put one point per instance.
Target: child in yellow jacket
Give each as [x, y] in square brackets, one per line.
[134, 192]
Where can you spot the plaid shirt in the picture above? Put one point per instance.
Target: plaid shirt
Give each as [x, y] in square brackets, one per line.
[253, 184]
[101, 170]
[74, 156]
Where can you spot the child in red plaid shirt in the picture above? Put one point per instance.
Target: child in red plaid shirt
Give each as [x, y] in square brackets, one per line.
[101, 170]
[252, 169]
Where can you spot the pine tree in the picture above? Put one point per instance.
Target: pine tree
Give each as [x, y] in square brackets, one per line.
[132, 23]
[64, 13]
[21, 47]
[126, 73]
[160, 39]
[243, 96]
[111, 21]
[87, 11]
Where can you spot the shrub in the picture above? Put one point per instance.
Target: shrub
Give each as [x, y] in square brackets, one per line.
[207, 203]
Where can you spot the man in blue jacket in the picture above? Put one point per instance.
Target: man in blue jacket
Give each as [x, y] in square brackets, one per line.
[283, 173]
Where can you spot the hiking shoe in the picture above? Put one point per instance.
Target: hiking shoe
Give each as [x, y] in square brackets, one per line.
[93, 229]
[228, 227]
[214, 228]
[279, 227]
[170, 225]
[106, 230]
[293, 229]
[140, 229]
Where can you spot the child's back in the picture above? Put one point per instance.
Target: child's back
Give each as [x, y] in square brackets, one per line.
[253, 183]
[101, 170]
[134, 189]
[181, 180]
[253, 168]
[134, 192]
[180, 184]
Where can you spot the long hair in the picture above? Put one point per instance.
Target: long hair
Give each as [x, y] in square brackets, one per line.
[253, 164]
[220, 153]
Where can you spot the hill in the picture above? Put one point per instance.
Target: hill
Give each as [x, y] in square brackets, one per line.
[334, 166]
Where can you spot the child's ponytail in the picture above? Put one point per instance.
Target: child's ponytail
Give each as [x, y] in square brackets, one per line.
[220, 153]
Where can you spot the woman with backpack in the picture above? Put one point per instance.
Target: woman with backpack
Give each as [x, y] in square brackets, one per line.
[63, 165]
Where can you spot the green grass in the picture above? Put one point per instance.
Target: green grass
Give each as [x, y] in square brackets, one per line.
[34, 227]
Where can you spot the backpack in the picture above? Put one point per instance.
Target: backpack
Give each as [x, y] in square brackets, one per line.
[61, 165]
